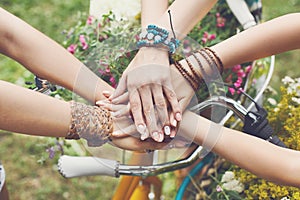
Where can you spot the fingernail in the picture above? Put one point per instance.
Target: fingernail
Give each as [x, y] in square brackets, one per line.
[141, 128]
[100, 103]
[174, 123]
[178, 116]
[160, 137]
[155, 136]
[106, 93]
[167, 130]
[144, 136]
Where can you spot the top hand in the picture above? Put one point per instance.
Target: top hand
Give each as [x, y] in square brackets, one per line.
[148, 81]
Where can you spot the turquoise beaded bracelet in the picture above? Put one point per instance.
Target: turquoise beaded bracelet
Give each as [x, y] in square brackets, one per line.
[155, 36]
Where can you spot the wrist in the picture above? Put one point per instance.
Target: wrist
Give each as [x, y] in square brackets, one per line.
[154, 55]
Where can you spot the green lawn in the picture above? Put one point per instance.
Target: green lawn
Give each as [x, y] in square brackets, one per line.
[26, 178]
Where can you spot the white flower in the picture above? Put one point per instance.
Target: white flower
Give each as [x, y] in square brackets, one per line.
[234, 185]
[296, 100]
[287, 80]
[284, 198]
[272, 101]
[228, 176]
[230, 183]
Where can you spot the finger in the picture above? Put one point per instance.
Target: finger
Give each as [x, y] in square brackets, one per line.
[149, 113]
[161, 108]
[123, 110]
[121, 88]
[174, 126]
[124, 98]
[112, 107]
[136, 110]
[106, 93]
[172, 99]
[106, 104]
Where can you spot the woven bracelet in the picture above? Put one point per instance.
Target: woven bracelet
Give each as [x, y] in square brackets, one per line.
[91, 123]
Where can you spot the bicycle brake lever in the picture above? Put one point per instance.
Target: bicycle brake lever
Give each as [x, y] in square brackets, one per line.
[257, 124]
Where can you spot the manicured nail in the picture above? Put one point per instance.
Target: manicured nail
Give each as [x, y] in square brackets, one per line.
[144, 135]
[100, 103]
[178, 116]
[141, 128]
[174, 123]
[155, 136]
[167, 130]
[160, 137]
[106, 93]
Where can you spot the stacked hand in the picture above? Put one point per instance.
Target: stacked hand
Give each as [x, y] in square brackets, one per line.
[122, 111]
[147, 90]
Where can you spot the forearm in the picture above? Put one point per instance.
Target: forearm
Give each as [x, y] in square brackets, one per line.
[185, 15]
[47, 59]
[269, 38]
[253, 154]
[29, 112]
[152, 10]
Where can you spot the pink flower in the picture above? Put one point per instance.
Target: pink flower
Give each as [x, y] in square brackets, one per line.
[107, 70]
[212, 37]
[241, 73]
[248, 69]
[219, 188]
[231, 90]
[83, 42]
[220, 21]
[72, 48]
[238, 82]
[204, 40]
[89, 20]
[236, 68]
[113, 82]
[207, 36]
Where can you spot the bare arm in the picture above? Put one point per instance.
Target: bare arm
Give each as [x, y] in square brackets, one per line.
[269, 38]
[258, 156]
[185, 15]
[253, 154]
[29, 112]
[47, 59]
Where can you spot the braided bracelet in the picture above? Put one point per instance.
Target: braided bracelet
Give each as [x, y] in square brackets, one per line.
[92, 123]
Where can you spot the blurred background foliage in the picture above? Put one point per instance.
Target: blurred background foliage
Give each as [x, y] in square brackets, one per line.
[27, 179]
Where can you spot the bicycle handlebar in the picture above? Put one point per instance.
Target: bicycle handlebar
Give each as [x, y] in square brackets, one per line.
[88, 166]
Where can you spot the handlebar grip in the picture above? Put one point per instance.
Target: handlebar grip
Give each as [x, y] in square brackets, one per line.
[73, 166]
[261, 128]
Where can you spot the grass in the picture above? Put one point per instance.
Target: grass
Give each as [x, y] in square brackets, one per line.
[25, 177]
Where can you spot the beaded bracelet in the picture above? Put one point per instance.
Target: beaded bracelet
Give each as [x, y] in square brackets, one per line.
[219, 61]
[91, 123]
[195, 78]
[189, 77]
[155, 36]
